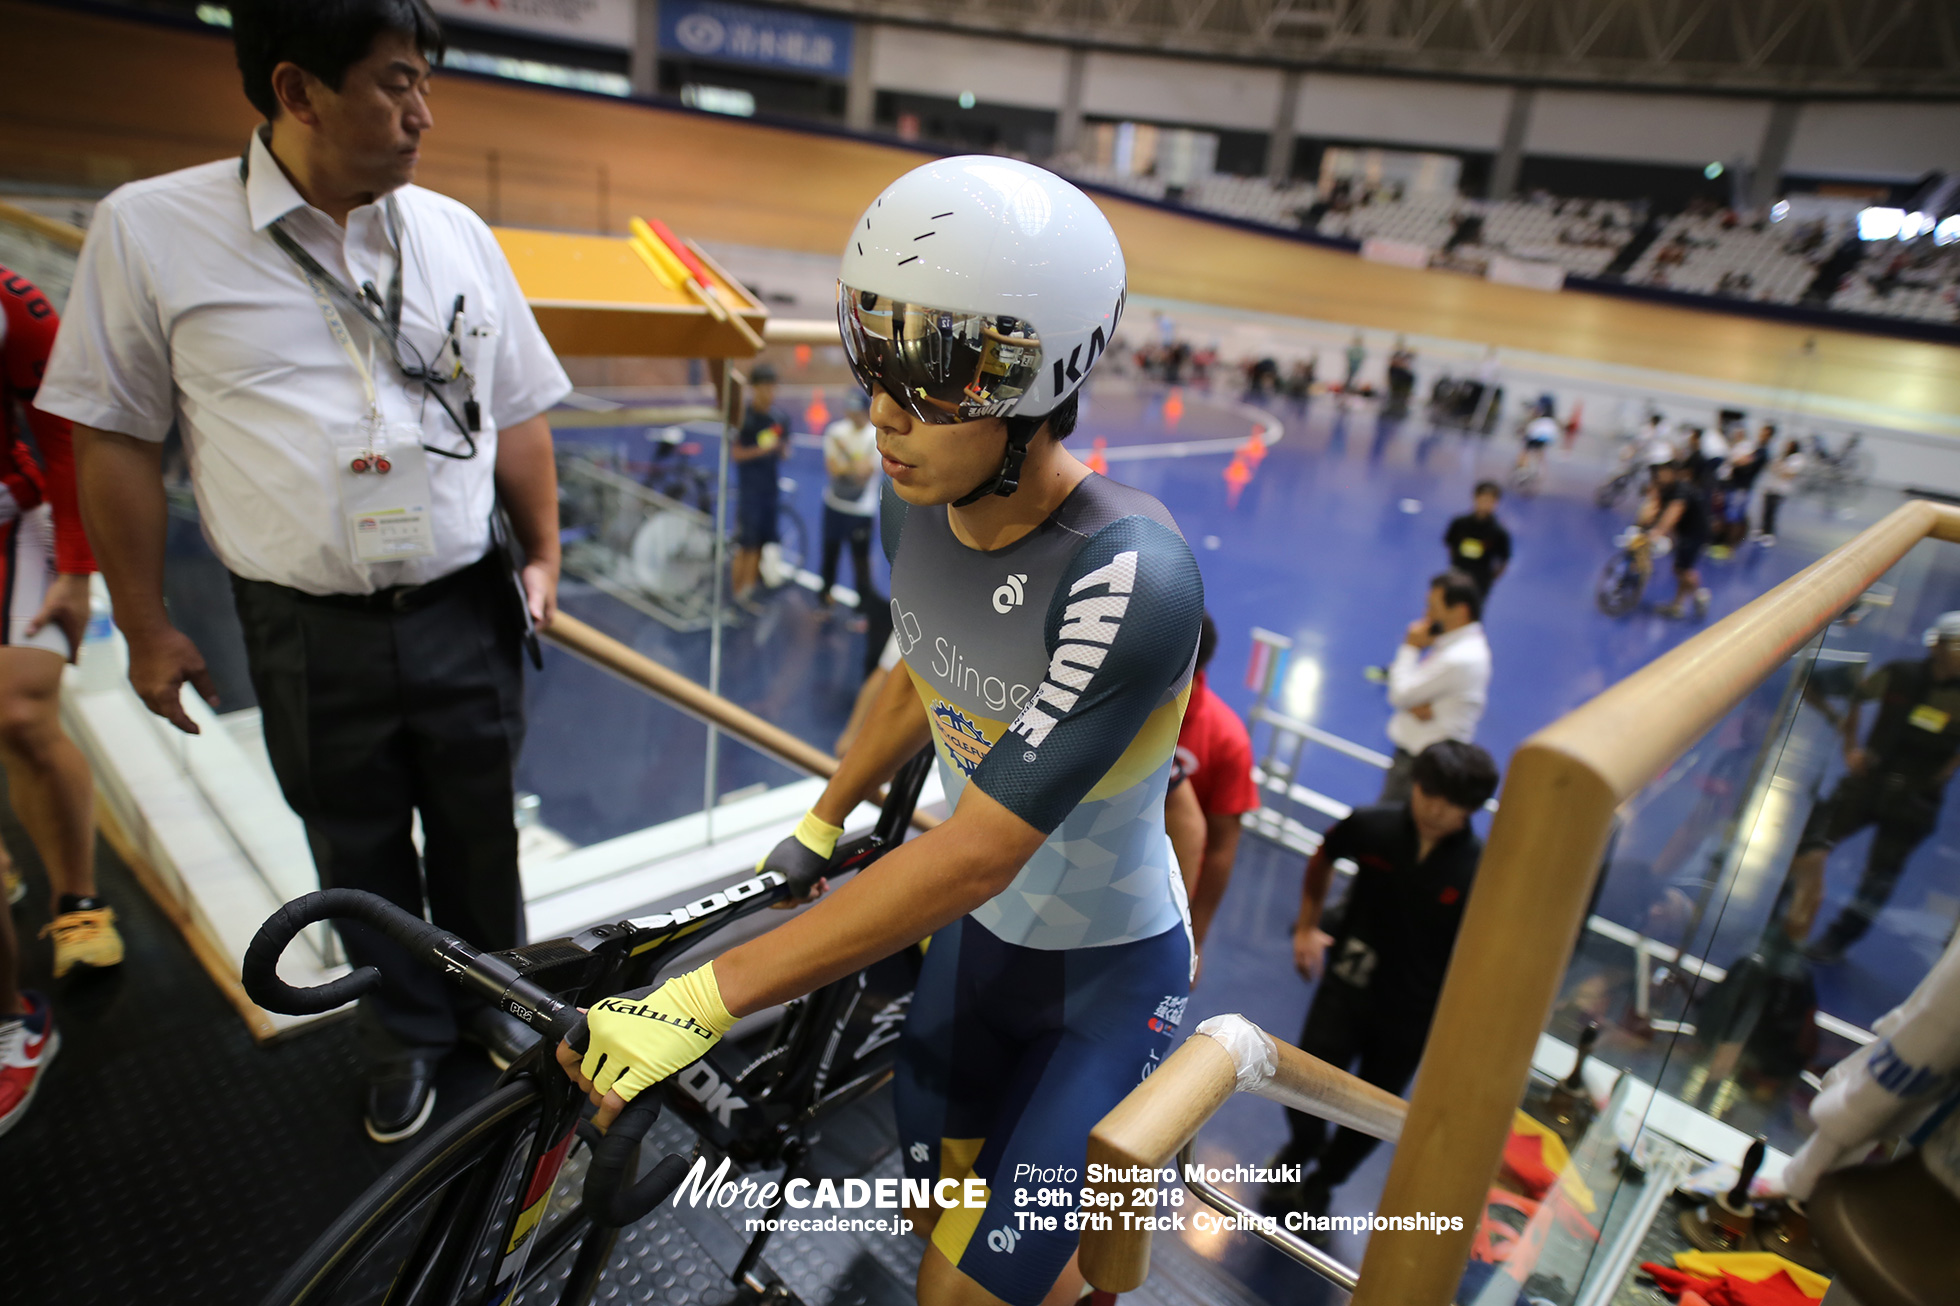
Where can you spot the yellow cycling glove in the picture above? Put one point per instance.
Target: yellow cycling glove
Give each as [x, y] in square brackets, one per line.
[805, 855]
[633, 1042]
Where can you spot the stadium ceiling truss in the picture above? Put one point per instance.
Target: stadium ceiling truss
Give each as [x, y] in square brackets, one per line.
[1799, 47]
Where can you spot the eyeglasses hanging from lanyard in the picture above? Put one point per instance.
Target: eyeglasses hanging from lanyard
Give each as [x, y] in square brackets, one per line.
[384, 317]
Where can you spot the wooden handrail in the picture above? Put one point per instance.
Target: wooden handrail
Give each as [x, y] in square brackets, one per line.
[636, 668]
[1519, 927]
[800, 331]
[1536, 878]
[1160, 1115]
[61, 233]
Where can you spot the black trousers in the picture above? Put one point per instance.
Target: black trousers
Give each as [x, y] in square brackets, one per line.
[1904, 810]
[1345, 1026]
[373, 715]
[839, 529]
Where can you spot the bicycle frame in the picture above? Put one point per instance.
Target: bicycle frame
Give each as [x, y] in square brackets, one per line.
[602, 960]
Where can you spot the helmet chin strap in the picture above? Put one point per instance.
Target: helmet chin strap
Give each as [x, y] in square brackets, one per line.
[1008, 478]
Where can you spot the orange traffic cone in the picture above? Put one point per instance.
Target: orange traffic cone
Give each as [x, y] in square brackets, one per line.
[1254, 450]
[817, 415]
[1095, 462]
[802, 357]
[1173, 407]
[1237, 476]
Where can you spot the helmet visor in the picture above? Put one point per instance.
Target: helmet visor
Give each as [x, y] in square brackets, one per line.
[940, 365]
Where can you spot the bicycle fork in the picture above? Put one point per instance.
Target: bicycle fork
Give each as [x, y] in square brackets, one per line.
[522, 1239]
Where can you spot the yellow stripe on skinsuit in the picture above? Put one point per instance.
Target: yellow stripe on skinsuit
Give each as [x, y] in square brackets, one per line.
[1152, 746]
[1149, 750]
[955, 1228]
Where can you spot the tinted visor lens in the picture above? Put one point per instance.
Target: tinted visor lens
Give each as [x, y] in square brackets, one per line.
[940, 365]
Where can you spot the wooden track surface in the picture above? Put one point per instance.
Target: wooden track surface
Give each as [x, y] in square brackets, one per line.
[95, 101]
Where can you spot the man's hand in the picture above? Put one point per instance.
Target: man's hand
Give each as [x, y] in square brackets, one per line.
[66, 608]
[1423, 712]
[1857, 760]
[541, 591]
[1417, 635]
[159, 664]
[1310, 951]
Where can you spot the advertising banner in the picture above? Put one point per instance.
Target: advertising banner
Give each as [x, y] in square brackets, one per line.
[746, 34]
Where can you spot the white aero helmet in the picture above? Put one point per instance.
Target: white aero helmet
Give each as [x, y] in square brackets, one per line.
[977, 287]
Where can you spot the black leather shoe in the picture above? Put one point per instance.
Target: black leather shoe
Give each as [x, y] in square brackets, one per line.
[503, 1036]
[401, 1096]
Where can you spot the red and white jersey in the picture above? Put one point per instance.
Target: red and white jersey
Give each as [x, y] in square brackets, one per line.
[27, 328]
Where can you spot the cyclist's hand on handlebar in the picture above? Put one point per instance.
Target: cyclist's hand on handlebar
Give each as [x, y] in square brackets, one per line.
[803, 857]
[634, 1042]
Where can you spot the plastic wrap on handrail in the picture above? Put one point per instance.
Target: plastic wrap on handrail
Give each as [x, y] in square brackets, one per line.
[1255, 1056]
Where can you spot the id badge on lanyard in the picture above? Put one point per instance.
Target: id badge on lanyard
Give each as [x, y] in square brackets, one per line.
[381, 469]
[383, 475]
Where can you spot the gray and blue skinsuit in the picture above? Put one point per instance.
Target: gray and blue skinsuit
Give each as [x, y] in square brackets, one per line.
[1054, 673]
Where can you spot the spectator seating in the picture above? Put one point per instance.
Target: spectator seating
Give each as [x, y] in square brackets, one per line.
[1717, 254]
[1917, 280]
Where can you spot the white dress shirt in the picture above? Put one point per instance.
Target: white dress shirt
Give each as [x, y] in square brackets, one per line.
[184, 310]
[1452, 676]
[852, 442]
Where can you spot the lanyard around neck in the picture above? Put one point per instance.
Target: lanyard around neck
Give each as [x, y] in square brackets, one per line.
[386, 323]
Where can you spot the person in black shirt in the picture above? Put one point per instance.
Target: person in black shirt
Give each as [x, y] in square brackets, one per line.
[1896, 782]
[758, 449]
[1385, 948]
[1479, 545]
[1678, 508]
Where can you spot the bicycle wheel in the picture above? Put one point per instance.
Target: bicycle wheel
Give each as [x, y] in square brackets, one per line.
[434, 1220]
[1620, 585]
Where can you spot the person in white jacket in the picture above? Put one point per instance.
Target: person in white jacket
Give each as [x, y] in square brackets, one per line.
[1440, 678]
[1906, 1084]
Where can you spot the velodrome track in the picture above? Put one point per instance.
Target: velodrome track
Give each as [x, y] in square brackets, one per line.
[84, 104]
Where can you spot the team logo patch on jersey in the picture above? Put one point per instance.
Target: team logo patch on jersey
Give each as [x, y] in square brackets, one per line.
[963, 738]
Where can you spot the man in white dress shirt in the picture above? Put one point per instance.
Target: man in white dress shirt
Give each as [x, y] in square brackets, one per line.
[1440, 678]
[358, 381]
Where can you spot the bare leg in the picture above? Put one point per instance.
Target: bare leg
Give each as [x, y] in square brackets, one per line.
[47, 776]
[1806, 893]
[748, 566]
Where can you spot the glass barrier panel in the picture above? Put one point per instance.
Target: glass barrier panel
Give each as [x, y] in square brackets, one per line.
[1784, 884]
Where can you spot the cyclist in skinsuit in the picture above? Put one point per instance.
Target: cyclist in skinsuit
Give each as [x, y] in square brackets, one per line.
[1048, 619]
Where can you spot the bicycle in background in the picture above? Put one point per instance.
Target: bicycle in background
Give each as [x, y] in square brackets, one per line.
[1623, 580]
[487, 1204]
[1846, 468]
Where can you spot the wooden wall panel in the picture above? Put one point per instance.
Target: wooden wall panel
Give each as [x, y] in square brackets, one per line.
[95, 101]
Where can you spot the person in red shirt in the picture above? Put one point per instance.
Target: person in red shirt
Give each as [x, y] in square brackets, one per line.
[1215, 753]
[45, 565]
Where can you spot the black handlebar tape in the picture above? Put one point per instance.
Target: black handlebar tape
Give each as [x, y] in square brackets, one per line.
[260, 970]
[607, 1198]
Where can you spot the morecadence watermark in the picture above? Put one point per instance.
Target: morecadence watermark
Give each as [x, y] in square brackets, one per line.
[1151, 1203]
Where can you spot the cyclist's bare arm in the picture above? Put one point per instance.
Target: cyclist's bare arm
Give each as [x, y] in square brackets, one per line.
[912, 891]
[916, 889]
[895, 728]
[1669, 516]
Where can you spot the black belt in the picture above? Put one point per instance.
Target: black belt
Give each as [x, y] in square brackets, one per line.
[400, 598]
